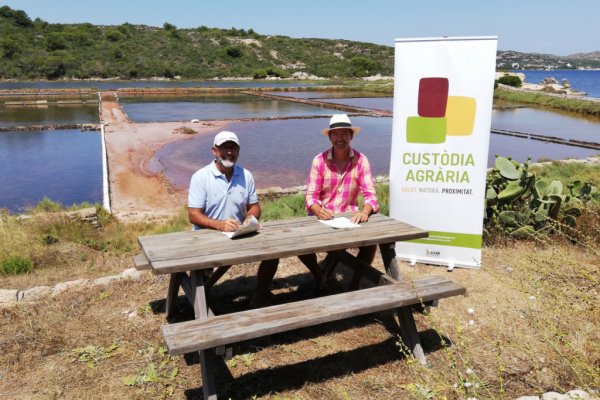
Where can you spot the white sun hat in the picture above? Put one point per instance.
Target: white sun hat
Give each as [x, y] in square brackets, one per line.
[226, 136]
[340, 121]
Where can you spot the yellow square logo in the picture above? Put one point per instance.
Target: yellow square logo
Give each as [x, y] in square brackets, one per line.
[460, 115]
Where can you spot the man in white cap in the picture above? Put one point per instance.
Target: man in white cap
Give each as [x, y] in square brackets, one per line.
[336, 178]
[222, 195]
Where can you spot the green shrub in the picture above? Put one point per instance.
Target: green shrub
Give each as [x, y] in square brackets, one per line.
[187, 130]
[260, 74]
[364, 66]
[16, 265]
[47, 205]
[510, 80]
[104, 217]
[284, 207]
[177, 223]
[383, 198]
[280, 73]
[292, 206]
[114, 35]
[169, 27]
[233, 51]
[56, 41]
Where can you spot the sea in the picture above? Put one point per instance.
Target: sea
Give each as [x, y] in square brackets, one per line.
[587, 81]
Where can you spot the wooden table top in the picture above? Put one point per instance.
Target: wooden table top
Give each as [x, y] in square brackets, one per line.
[206, 248]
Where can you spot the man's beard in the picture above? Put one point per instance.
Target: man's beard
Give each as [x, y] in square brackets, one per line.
[226, 163]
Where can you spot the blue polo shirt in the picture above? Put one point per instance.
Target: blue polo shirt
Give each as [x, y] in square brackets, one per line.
[220, 199]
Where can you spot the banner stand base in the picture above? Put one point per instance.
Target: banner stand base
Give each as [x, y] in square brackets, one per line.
[450, 265]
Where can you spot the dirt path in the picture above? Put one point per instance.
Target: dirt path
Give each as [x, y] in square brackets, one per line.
[138, 191]
[110, 110]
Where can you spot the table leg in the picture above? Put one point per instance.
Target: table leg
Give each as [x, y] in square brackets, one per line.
[216, 275]
[172, 293]
[329, 263]
[388, 254]
[408, 327]
[207, 361]
[410, 335]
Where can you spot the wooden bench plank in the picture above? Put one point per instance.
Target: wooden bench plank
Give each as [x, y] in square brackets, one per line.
[140, 262]
[188, 336]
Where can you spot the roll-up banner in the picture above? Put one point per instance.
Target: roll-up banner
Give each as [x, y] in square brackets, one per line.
[443, 92]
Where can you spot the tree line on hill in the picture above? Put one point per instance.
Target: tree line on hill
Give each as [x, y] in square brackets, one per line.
[33, 50]
[40, 50]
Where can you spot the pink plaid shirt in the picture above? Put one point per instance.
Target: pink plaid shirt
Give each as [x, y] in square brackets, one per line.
[337, 189]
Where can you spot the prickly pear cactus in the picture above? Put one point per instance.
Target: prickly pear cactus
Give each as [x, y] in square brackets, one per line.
[519, 205]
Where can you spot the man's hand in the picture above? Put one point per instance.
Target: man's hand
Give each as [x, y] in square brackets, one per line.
[229, 225]
[324, 213]
[361, 216]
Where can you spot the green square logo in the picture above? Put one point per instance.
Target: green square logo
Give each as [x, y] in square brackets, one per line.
[426, 130]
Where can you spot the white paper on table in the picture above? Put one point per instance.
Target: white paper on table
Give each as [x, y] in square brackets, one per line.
[250, 225]
[340, 222]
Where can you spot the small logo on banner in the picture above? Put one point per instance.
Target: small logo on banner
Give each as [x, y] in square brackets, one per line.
[434, 253]
[440, 115]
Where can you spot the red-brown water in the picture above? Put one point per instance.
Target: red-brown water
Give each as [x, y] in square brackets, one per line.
[279, 153]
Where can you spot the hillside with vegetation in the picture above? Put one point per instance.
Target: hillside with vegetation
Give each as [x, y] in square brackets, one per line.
[40, 50]
[516, 60]
[36, 49]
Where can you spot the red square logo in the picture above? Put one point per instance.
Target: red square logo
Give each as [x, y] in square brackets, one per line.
[433, 97]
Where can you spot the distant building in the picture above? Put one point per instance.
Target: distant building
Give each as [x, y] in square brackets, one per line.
[515, 66]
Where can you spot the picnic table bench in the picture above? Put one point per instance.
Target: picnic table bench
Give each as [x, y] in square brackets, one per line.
[196, 259]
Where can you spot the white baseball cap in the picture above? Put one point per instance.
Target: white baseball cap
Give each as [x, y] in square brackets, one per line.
[226, 136]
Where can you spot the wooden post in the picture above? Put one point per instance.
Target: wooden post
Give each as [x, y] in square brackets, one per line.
[216, 275]
[408, 328]
[329, 264]
[388, 254]
[172, 293]
[410, 335]
[209, 388]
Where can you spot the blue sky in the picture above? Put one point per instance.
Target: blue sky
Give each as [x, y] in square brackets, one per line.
[550, 26]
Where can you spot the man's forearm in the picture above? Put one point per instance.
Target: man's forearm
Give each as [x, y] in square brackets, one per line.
[196, 217]
[367, 209]
[253, 210]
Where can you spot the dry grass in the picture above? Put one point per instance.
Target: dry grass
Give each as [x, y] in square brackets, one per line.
[62, 249]
[534, 329]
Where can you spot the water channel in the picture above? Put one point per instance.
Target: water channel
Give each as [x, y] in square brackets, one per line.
[66, 166]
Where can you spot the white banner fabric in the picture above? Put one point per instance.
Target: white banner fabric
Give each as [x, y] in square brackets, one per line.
[443, 93]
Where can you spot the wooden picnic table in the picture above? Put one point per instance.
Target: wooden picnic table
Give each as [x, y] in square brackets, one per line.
[195, 259]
